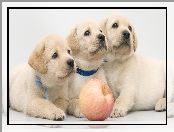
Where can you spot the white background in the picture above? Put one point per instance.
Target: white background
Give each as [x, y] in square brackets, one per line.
[28, 26]
[170, 54]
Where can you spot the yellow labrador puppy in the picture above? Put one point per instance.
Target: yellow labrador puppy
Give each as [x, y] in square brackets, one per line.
[138, 83]
[39, 88]
[88, 46]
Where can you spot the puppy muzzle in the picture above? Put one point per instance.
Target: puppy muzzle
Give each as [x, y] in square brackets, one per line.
[102, 42]
[126, 35]
[125, 39]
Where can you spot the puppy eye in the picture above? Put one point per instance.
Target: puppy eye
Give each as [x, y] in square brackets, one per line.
[68, 51]
[130, 28]
[115, 25]
[87, 33]
[101, 31]
[55, 55]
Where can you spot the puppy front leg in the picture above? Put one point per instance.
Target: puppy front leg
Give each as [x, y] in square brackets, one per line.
[42, 108]
[123, 104]
[74, 109]
[61, 103]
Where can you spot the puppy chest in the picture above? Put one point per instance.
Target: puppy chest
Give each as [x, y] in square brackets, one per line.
[76, 84]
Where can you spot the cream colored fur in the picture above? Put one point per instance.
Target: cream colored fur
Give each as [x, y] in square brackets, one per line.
[138, 83]
[83, 49]
[26, 96]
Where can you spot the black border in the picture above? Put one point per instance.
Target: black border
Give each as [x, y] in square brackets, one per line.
[8, 8]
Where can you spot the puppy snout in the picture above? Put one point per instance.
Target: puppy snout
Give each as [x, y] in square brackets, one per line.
[126, 34]
[102, 43]
[101, 37]
[70, 63]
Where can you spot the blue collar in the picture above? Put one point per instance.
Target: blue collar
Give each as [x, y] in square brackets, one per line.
[86, 73]
[41, 86]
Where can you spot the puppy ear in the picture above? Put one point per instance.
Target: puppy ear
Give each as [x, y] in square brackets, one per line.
[103, 25]
[36, 59]
[72, 41]
[134, 40]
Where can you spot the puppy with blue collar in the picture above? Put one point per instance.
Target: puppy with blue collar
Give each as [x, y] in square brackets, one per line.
[40, 88]
[88, 45]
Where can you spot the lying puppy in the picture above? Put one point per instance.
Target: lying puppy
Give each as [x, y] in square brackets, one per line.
[40, 88]
[88, 46]
[138, 83]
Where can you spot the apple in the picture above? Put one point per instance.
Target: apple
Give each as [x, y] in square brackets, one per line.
[96, 100]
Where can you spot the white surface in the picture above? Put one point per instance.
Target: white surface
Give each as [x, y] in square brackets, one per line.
[139, 117]
[117, 128]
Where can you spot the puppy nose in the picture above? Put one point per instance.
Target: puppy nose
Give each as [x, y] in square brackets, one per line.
[126, 34]
[70, 63]
[101, 37]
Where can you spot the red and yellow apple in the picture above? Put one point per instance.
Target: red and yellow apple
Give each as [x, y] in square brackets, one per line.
[96, 100]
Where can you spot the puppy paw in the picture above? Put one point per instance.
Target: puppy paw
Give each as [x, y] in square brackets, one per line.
[119, 111]
[78, 114]
[160, 105]
[74, 109]
[57, 115]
